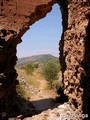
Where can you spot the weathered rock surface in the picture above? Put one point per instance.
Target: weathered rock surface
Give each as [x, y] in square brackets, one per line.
[16, 17]
[62, 112]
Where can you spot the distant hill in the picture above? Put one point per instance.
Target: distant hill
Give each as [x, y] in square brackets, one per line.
[35, 58]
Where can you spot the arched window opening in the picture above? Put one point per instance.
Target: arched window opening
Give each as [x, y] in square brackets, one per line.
[41, 42]
[43, 36]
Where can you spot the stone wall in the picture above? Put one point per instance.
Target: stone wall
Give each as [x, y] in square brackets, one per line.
[15, 18]
[73, 47]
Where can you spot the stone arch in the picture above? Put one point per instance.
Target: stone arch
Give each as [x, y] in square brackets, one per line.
[15, 19]
[39, 29]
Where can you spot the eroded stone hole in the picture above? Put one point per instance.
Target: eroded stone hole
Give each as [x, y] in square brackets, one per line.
[42, 38]
[43, 32]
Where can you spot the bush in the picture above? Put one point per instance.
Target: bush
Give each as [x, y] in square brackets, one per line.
[20, 90]
[35, 65]
[29, 68]
[50, 71]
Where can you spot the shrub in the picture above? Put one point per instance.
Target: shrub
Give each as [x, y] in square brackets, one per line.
[36, 65]
[20, 90]
[29, 68]
[50, 71]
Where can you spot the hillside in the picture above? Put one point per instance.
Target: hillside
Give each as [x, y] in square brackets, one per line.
[35, 89]
[37, 99]
[35, 58]
[36, 92]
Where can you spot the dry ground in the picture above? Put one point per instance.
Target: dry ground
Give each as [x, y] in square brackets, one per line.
[36, 90]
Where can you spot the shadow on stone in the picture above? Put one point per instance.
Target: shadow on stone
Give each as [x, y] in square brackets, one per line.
[62, 97]
[18, 107]
[86, 84]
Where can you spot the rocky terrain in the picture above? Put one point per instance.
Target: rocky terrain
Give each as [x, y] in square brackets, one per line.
[40, 99]
[62, 112]
[38, 92]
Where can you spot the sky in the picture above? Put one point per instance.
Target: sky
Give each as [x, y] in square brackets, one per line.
[43, 36]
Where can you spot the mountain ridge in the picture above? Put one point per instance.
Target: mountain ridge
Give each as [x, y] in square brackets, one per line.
[36, 58]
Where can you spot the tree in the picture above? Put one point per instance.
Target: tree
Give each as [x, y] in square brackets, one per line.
[50, 72]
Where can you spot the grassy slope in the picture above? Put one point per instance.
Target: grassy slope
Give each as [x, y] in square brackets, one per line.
[33, 84]
[33, 87]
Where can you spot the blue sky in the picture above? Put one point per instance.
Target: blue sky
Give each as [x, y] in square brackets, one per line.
[43, 36]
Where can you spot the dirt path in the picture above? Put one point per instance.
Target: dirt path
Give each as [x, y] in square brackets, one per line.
[40, 95]
[43, 100]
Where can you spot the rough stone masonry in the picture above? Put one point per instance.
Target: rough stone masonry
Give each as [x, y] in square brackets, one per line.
[15, 18]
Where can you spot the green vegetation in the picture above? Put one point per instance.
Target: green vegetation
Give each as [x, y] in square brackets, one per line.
[33, 82]
[21, 92]
[29, 68]
[50, 71]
